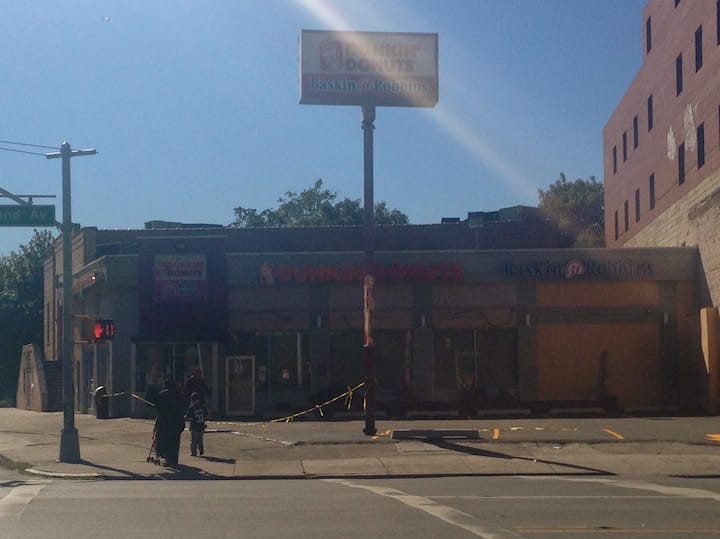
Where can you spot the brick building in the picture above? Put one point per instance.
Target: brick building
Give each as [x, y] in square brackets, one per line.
[485, 312]
[662, 143]
[662, 154]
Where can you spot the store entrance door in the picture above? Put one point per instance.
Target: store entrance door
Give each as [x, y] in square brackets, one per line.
[240, 385]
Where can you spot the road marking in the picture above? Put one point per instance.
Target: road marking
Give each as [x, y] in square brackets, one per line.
[496, 434]
[613, 433]
[446, 514]
[646, 485]
[603, 530]
[13, 505]
[713, 437]
[544, 497]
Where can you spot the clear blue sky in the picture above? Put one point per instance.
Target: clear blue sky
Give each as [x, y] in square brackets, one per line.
[193, 105]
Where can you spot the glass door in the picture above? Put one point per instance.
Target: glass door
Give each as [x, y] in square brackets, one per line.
[240, 385]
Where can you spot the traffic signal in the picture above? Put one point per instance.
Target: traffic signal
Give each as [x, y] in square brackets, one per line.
[98, 329]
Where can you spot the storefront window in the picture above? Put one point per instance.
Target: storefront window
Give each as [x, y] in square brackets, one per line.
[155, 362]
[288, 361]
[392, 356]
[454, 360]
[484, 361]
[347, 359]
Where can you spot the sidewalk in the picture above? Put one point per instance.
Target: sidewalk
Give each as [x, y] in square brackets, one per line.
[118, 449]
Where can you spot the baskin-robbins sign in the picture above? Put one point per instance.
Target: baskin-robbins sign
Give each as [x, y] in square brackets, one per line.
[368, 68]
[546, 270]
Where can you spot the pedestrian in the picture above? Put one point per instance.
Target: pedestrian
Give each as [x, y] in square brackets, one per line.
[196, 384]
[169, 424]
[197, 414]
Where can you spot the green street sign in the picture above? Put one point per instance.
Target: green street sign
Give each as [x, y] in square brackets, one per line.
[27, 215]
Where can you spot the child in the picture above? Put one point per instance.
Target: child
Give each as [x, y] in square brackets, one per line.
[197, 415]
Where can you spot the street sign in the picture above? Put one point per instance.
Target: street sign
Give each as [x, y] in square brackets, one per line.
[27, 215]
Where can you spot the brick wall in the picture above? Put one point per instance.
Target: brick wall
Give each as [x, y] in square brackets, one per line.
[693, 220]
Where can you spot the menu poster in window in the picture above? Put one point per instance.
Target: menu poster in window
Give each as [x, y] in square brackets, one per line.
[181, 279]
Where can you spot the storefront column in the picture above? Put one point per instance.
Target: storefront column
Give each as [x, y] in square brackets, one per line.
[423, 364]
[526, 342]
[320, 366]
[669, 346]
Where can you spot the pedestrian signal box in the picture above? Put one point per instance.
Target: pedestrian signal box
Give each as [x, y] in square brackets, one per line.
[98, 329]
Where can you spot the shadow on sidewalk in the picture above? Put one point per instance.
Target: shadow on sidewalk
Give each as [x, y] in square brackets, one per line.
[581, 470]
[181, 471]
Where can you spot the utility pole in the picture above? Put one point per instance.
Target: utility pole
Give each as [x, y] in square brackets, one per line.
[368, 125]
[69, 440]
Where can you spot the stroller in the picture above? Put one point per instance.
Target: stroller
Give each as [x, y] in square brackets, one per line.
[153, 455]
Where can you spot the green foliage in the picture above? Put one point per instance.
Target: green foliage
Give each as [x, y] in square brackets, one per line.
[578, 210]
[315, 207]
[21, 305]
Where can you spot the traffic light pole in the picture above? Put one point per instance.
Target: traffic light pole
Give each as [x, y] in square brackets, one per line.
[69, 440]
[368, 121]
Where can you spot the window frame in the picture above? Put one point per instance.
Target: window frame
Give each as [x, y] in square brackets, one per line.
[624, 146]
[636, 132]
[615, 161]
[700, 135]
[681, 164]
[651, 189]
[627, 216]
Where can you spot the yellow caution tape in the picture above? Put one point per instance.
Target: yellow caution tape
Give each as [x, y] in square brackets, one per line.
[319, 407]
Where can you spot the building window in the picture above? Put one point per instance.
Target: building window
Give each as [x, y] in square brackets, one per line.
[698, 49]
[617, 231]
[624, 146]
[650, 111]
[681, 164]
[652, 191]
[717, 21]
[637, 205]
[635, 132]
[677, 2]
[701, 145]
[678, 75]
[614, 159]
[627, 216]
[648, 35]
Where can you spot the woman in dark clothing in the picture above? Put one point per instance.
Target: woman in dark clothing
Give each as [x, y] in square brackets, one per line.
[169, 424]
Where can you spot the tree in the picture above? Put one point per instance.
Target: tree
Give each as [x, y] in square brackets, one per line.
[315, 207]
[21, 306]
[578, 210]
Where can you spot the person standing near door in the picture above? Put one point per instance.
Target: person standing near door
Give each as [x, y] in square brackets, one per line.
[169, 424]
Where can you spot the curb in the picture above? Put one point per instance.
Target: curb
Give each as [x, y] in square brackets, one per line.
[64, 475]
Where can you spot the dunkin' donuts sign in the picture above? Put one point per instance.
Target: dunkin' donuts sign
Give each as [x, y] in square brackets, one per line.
[368, 68]
[271, 274]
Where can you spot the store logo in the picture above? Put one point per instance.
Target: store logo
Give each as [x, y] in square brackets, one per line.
[331, 57]
[267, 274]
[574, 268]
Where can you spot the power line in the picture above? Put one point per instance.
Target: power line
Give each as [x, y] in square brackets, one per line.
[26, 144]
[22, 151]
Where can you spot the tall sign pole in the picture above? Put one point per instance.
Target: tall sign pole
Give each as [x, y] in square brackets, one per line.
[368, 69]
[368, 125]
[69, 440]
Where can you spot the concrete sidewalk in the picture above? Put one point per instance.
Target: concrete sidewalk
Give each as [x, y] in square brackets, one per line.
[118, 449]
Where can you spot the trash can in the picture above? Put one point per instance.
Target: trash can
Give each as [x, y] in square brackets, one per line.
[101, 403]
